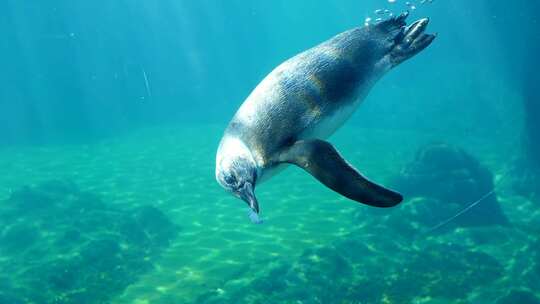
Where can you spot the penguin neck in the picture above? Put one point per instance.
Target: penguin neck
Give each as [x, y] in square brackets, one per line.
[233, 149]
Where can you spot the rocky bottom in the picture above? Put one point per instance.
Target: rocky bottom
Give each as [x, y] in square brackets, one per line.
[61, 245]
[115, 238]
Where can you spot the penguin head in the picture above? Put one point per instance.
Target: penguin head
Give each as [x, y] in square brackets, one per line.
[236, 171]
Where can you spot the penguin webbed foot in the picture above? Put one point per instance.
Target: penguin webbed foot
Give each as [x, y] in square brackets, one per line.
[393, 26]
[410, 41]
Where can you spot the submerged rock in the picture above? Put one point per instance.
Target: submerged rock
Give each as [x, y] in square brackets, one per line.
[62, 245]
[17, 238]
[519, 297]
[30, 200]
[446, 180]
[526, 179]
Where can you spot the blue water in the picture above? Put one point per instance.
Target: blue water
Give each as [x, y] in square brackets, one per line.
[110, 117]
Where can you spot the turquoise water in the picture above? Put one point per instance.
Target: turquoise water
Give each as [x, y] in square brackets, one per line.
[111, 117]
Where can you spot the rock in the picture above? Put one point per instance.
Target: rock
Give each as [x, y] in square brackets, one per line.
[531, 106]
[448, 271]
[18, 237]
[448, 180]
[70, 237]
[354, 250]
[526, 179]
[61, 275]
[101, 254]
[58, 187]
[156, 225]
[30, 200]
[275, 281]
[9, 298]
[323, 269]
[62, 245]
[519, 297]
[372, 269]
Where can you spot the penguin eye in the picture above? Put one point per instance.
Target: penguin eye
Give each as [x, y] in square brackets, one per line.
[230, 179]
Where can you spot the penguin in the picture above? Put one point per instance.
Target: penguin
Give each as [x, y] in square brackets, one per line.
[286, 118]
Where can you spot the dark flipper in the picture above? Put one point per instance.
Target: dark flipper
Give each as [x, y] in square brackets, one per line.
[321, 160]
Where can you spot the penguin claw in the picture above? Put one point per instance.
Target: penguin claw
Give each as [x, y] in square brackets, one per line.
[403, 16]
[413, 31]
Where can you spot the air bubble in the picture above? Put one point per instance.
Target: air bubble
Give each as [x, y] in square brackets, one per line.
[410, 5]
[367, 21]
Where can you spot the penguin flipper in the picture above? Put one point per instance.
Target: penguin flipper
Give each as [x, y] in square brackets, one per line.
[323, 161]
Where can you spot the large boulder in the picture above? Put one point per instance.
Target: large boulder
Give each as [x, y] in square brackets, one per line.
[444, 180]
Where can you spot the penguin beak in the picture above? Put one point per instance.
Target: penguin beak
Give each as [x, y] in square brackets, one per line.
[248, 195]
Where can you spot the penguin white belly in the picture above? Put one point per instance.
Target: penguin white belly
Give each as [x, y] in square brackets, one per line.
[329, 123]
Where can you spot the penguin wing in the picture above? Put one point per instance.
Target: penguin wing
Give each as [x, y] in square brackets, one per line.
[324, 162]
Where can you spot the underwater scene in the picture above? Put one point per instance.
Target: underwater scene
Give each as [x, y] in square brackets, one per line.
[133, 171]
